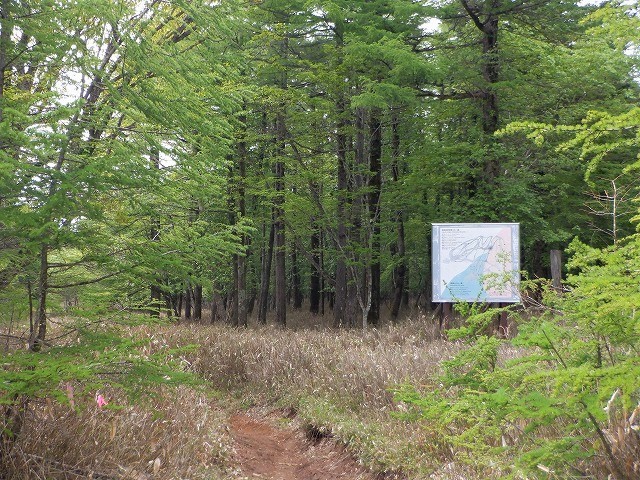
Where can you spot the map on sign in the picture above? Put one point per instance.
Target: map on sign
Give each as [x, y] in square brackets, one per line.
[476, 262]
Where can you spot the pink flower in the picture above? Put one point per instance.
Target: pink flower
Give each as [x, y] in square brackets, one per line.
[69, 388]
[100, 400]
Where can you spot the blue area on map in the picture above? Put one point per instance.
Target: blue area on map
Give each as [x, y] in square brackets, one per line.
[467, 284]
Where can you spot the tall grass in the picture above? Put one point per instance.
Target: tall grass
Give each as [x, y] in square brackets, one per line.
[338, 382]
[178, 434]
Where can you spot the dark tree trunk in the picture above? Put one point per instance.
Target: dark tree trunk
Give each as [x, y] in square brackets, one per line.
[398, 251]
[491, 75]
[537, 266]
[375, 186]
[197, 302]
[357, 273]
[232, 296]
[340, 294]
[322, 289]
[187, 302]
[295, 279]
[265, 274]
[280, 253]
[241, 264]
[251, 303]
[314, 288]
[279, 226]
[37, 341]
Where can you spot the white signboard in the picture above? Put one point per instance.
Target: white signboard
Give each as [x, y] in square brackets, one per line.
[476, 262]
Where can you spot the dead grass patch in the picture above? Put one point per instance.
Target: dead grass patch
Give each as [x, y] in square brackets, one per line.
[340, 382]
[173, 434]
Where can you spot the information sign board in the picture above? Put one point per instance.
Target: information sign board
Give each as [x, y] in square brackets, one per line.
[476, 262]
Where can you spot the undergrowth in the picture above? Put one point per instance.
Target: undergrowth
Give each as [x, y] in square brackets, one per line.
[340, 383]
[101, 404]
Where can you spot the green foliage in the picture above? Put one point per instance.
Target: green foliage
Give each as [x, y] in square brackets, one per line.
[562, 402]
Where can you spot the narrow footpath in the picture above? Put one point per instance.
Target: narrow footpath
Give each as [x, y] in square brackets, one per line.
[267, 452]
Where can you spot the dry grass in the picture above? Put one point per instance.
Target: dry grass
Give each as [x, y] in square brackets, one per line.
[339, 383]
[354, 366]
[178, 434]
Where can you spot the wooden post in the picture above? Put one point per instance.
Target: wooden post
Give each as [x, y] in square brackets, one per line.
[503, 321]
[446, 315]
[556, 270]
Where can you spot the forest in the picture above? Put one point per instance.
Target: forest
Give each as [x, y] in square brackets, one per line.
[190, 190]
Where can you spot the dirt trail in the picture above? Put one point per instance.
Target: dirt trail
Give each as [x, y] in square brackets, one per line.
[266, 452]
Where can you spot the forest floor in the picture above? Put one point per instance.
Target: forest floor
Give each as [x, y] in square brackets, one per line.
[266, 450]
[268, 403]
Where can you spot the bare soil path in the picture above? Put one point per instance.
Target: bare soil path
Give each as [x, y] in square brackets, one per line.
[284, 453]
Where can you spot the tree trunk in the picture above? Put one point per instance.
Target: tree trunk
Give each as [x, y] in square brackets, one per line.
[37, 341]
[232, 295]
[314, 288]
[375, 186]
[490, 70]
[340, 295]
[556, 269]
[397, 251]
[187, 302]
[279, 226]
[359, 256]
[241, 263]
[154, 236]
[322, 288]
[298, 298]
[265, 274]
[197, 302]
[233, 302]
[491, 74]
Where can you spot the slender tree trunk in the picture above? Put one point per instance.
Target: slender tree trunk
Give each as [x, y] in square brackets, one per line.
[233, 301]
[358, 276]
[298, 298]
[197, 302]
[340, 295]
[280, 253]
[322, 289]
[314, 287]
[37, 342]
[241, 263]
[279, 226]
[490, 70]
[154, 236]
[187, 302]
[491, 74]
[265, 277]
[375, 187]
[232, 295]
[399, 271]
[555, 259]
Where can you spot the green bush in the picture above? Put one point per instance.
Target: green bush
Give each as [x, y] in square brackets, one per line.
[568, 406]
